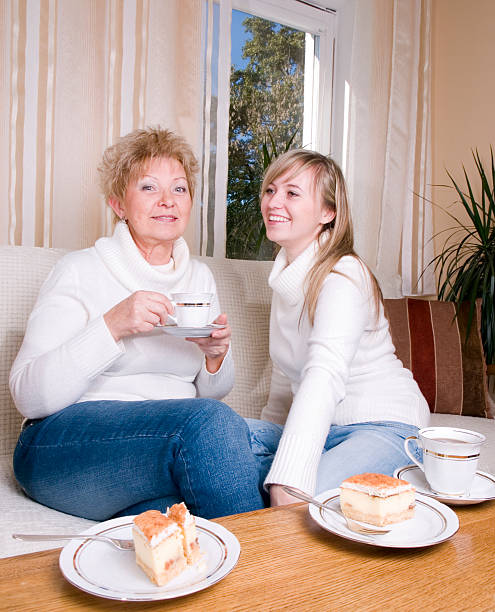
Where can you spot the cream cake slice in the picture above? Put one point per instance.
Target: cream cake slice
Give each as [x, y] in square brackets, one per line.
[158, 546]
[377, 499]
[181, 515]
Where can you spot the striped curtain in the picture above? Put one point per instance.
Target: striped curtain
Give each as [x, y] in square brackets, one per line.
[389, 142]
[75, 75]
[218, 17]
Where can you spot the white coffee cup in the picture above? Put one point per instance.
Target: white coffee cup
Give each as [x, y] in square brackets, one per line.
[450, 458]
[191, 309]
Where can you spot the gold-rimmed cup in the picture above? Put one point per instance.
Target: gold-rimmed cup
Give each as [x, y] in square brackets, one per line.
[191, 309]
[450, 458]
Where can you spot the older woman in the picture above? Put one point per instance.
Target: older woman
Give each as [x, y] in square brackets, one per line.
[121, 417]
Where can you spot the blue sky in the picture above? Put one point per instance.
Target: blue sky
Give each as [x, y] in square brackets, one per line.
[238, 38]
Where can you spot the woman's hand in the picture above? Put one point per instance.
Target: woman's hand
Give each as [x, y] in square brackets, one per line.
[278, 497]
[140, 312]
[215, 347]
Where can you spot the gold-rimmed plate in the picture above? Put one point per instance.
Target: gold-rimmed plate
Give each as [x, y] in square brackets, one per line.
[482, 489]
[191, 332]
[100, 569]
[433, 523]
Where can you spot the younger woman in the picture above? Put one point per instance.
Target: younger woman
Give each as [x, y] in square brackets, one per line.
[340, 401]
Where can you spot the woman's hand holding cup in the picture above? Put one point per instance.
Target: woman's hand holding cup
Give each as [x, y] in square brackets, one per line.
[144, 310]
[140, 312]
[216, 345]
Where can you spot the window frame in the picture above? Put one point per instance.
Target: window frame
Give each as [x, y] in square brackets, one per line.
[323, 131]
[317, 132]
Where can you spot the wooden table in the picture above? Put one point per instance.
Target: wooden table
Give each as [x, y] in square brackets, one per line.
[289, 563]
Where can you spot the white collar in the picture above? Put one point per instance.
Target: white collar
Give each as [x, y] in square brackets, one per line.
[288, 280]
[125, 262]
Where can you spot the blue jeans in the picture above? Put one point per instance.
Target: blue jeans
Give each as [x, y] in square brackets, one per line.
[111, 458]
[349, 449]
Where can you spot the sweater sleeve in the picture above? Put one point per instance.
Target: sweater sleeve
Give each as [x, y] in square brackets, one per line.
[62, 351]
[221, 382]
[342, 314]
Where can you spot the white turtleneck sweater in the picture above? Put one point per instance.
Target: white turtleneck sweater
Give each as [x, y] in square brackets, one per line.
[69, 355]
[342, 370]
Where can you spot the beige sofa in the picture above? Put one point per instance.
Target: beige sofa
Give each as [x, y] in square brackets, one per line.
[244, 295]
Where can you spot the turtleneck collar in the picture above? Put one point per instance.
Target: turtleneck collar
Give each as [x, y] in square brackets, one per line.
[123, 259]
[287, 280]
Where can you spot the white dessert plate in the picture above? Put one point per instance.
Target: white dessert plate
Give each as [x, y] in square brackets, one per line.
[100, 569]
[432, 523]
[483, 488]
[191, 332]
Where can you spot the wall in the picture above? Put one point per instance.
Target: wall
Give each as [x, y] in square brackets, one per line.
[463, 94]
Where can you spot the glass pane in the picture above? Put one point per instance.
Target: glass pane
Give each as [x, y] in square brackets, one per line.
[266, 118]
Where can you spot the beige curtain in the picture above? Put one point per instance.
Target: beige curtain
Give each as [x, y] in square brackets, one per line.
[389, 152]
[212, 238]
[75, 75]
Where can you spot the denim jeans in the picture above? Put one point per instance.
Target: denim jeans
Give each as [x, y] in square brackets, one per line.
[349, 449]
[112, 458]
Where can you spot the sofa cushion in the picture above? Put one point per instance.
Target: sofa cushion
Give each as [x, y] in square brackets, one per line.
[430, 341]
[22, 271]
[245, 296]
[20, 514]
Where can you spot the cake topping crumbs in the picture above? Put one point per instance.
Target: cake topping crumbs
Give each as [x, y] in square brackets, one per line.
[153, 522]
[379, 485]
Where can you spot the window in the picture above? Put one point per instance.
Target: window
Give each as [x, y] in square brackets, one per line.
[266, 117]
[273, 70]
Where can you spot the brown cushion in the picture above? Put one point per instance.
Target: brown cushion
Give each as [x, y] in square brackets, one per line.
[430, 341]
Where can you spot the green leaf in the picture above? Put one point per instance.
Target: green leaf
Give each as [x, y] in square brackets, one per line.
[466, 264]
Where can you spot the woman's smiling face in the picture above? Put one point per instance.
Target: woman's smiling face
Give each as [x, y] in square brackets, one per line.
[293, 211]
[157, 207]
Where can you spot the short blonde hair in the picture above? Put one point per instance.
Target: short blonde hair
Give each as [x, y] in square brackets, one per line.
[329, 185]
[129, 157]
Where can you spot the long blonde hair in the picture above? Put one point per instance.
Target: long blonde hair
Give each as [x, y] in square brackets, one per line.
[336, 239]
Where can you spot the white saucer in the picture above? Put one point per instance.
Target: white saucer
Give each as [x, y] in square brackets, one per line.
[483, 488]
[191, 332]
[432, 523]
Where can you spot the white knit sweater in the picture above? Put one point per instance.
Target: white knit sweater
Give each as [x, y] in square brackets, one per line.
[342, 370]
[68, 354]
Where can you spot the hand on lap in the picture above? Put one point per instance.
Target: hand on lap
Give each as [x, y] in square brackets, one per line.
[278, 497]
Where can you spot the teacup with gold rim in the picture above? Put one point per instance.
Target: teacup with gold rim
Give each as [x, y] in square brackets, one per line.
[450, 458]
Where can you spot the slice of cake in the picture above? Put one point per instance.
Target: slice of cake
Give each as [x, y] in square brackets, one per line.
[181, 515]
[158, 545]
[377, 499]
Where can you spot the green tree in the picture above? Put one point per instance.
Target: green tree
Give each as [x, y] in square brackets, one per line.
[266, 110]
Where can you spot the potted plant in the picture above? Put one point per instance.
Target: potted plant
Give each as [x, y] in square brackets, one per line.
[466, 264]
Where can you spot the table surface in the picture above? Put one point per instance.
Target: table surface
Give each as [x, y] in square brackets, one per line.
[288, 562]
